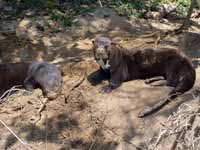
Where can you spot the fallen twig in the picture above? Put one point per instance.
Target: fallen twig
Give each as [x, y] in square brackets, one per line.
[7, 93]
[98, 131]
[21, 141]
[183, 131]
[42, 107]
[149, 35]
[182, 124]
[160, 136]
[74, 87]
[100, 3]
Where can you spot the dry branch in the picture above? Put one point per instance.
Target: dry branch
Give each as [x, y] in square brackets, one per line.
[184, 129]
[182, 123]
[7, 93]
[20, 140]
[42, 107]
[74, 87]
[100, 3]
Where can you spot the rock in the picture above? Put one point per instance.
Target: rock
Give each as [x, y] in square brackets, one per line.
[8, 8]
[28, 30]
[8, 26]
[2, 4]
[2, 37]
[47, 41]
[23, 27]
[167, 8]
[196, 14]
[104, 12]
[30, 13]
[163, 11]
[153, 15]
[24, 24]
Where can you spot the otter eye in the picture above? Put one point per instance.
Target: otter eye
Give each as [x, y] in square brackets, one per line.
[106, 46]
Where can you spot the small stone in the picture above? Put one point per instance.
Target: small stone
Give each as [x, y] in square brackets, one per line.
[104, 12]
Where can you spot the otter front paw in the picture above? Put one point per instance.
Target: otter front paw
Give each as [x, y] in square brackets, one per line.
[147, 81]
[106, 89]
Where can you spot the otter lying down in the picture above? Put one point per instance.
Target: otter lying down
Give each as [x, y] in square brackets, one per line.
[129, 64]
[32, 75]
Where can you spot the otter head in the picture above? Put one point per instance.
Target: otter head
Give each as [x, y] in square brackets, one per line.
[101, 49]
[53, 88]
[53, 85]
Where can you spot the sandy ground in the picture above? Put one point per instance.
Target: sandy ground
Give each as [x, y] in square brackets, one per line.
[88, 119]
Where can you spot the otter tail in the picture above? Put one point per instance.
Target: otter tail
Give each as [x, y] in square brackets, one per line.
[184, 85]
[157, 106]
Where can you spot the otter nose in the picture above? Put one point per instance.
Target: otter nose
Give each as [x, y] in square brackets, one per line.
[101, 50]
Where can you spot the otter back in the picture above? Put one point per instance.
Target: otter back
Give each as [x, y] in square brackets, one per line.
[12, 74]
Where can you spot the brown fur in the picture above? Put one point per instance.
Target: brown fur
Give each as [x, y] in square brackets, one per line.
[12, 74]
[31, 75]
[125, 65]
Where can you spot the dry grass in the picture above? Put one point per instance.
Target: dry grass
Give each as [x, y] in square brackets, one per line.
[185, 124]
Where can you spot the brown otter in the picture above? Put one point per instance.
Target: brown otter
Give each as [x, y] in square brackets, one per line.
[129, 64]
[32, 75]
[12, 74]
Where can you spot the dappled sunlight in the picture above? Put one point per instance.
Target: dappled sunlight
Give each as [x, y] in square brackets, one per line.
[83, 117]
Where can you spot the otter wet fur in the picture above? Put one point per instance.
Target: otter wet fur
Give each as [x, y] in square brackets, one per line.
[32, 75]
[129, 64]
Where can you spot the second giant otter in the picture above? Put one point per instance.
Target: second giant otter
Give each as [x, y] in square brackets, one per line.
[129, 64]
[32, 75]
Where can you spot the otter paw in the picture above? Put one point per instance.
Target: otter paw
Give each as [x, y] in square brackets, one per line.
[106, 89]
[95, 81]
[28, 93]
[147, 81]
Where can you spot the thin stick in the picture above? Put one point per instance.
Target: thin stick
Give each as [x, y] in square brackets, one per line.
[42, 107]
[74, 87]
[184, 130]
[8, 92]
[95, 139]
[101, 124]
[100, 3]
[22, 142]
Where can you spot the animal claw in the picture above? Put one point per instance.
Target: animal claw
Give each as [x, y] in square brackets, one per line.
[147, 81]
[106, 89]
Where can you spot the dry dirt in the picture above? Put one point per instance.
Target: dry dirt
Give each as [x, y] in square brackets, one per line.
[87, 119]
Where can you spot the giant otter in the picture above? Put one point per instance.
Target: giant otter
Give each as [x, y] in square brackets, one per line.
[46, 76]
[32, 75]
[129, 64]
